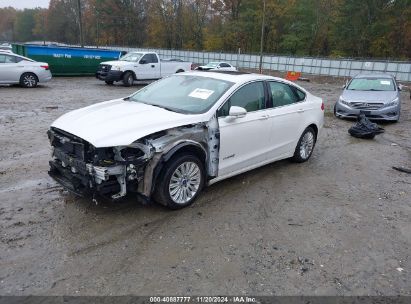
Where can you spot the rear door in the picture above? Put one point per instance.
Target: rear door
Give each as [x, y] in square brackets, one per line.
[149, 67]
[244, 142]
[287, 115]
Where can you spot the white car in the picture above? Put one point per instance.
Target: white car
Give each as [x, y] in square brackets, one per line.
[16, 69]
[221, 66]
[173, 137]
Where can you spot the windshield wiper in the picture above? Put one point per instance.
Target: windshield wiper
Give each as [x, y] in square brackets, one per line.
[127, 98]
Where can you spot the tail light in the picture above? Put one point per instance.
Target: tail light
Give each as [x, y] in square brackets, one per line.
[322, 106]
[46, 67]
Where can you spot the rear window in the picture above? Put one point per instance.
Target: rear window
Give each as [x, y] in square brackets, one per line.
[371, 84]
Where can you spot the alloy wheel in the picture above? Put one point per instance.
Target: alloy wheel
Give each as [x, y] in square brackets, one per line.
[307, 145]
[184, 182]
[29, 81]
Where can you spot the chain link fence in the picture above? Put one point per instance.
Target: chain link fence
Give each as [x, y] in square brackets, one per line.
[306, 65]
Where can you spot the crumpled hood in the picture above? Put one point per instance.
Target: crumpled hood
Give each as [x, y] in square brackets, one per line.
[120, 123]
[369, 96]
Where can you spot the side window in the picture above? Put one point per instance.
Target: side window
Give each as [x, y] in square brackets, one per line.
[145, 58]
[150, 58]
[18, 59]
[224, 65]
[249, 97]
[300, 94]
[2, 58]
[282, 94]
[154, 58]
[10, 59]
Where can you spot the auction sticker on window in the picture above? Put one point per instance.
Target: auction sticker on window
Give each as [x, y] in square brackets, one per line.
[201, 93]
[385, 82]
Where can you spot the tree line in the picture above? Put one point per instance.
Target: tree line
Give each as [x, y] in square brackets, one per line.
[334, 28]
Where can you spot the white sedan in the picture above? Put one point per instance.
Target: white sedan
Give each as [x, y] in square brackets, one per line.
[16, 69]
[221, 66]
[171, 138]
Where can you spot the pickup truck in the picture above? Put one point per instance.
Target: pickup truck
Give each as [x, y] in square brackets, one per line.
[139, 66]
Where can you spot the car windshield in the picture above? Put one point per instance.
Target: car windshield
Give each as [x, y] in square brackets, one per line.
[131, 57]
[186, 94]
[371, 84]
[212, 64]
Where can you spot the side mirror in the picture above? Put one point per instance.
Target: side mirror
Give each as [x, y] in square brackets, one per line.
[236, 112]
[344, 86]
[143, 61]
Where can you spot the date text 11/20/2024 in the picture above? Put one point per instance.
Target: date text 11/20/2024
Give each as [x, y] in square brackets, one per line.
[216, 299]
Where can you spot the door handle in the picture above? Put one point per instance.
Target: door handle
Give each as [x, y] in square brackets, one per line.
[153, 66]
[264, 117]
[300, 111]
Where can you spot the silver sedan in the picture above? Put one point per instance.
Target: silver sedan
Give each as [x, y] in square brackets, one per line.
[375, 95]
[16, 69]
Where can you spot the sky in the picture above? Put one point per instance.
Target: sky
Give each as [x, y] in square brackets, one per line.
[21, 4]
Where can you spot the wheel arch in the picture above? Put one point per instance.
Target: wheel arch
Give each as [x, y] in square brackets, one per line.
[314, 126]
[29, 72]
[131, 71]
[189, 147]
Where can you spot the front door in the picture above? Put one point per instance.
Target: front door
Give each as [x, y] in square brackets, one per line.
[244, 142]
[149, 67]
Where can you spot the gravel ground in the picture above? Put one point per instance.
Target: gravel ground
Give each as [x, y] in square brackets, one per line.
[339, 224]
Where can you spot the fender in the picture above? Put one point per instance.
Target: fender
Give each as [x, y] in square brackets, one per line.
[167, 155]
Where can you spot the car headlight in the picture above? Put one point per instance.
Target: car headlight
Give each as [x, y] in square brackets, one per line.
[344, 102]
[116, 68]
[393, 103]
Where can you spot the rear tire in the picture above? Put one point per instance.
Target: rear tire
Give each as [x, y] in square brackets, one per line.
[180, 181]
[109, 82]
[28, 80]
[305, 146]
[128, 79]
[180, 71]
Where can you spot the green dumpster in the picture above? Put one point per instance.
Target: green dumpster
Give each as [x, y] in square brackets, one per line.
[67, 61]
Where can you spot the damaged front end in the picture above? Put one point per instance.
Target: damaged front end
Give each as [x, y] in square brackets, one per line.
[82, 168]
[116, 171]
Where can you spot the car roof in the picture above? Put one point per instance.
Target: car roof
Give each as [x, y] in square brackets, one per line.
[236, 77]
[374, 75]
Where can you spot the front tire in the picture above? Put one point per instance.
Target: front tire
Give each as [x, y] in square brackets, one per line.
[180, 181]
[28, 80]
[305, 146]
[109, 82]
[128, 79]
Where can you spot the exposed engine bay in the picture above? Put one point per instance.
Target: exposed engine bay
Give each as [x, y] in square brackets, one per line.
[115, 171]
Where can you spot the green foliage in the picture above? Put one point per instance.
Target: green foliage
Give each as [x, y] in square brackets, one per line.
[336, 28]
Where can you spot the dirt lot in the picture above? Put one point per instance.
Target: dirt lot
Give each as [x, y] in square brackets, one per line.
[339, 224]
